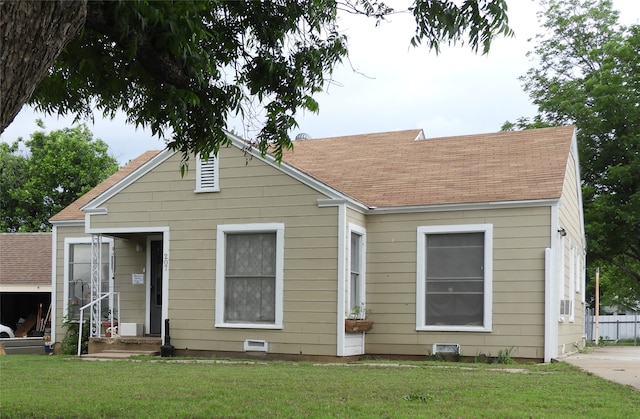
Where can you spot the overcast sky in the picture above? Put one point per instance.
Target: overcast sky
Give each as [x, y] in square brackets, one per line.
[395, 87]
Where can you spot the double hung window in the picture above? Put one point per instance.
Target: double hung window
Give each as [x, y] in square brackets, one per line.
[454, 278]
[249, 275]
[356, 285]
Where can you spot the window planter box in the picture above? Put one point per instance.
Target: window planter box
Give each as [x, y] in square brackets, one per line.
[356, 325]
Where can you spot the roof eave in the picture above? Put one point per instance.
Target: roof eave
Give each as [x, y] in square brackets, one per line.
[464, 206]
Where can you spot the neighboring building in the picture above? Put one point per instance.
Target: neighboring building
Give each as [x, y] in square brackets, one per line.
[473, 240]
[25, 276]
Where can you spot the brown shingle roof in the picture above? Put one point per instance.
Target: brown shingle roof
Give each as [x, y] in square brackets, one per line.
[25, 258]
[394, 169]
[73, 213]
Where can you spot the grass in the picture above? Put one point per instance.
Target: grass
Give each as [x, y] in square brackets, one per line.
[66, 387]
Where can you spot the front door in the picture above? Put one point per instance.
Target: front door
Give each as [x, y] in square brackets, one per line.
[155, 304]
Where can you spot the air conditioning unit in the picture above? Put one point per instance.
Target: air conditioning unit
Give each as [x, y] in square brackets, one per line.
[565, 307]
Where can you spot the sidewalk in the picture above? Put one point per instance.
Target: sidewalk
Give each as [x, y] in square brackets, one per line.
[620, 364]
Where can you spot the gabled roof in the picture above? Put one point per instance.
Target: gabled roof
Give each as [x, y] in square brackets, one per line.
[396, 169]
[403, 169]
[73, 212]
[25, 258]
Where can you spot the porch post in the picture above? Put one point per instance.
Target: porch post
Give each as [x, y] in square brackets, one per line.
[96, 282]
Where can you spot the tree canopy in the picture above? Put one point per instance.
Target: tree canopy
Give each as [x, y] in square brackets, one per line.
[186, 67]
[41, 176]
[588, 74]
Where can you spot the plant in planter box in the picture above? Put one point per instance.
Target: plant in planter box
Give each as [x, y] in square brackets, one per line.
[357, 320]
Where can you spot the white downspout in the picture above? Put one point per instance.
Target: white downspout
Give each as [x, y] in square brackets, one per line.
[342, 255]
[551, 310]
[54, 281]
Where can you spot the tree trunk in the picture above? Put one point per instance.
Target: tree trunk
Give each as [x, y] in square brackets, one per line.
[32, 35]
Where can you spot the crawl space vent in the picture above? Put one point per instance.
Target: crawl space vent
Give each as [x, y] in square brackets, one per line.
[256, 345]
[446, 348]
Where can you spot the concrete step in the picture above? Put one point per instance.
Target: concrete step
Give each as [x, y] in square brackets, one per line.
[117, 354]
[126, 344]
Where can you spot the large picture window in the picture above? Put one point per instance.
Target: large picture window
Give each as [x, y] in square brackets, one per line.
[454, 278]
[249, 275]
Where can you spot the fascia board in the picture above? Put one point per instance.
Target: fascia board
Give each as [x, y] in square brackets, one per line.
[67, 223]
[464, 207]
[576, 159]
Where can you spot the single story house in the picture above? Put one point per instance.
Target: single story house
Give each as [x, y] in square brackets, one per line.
[473, 244]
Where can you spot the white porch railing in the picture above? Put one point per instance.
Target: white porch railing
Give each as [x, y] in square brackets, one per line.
[92, 304]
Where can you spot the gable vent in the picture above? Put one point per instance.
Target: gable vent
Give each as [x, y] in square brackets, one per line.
[207, 175]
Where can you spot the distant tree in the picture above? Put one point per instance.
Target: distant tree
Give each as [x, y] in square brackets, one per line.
[190, 65]
[588, 74]
[48, 173]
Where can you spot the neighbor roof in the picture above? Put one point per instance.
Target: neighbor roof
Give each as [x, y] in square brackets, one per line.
[25, 258]
[73, 212]
[403, 169]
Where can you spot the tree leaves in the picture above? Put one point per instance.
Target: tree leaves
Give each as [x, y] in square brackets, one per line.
[588, 73]
[184, 68]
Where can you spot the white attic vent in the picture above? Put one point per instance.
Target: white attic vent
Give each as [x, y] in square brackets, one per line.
[446, 348]
[256, 345]
[207, 174]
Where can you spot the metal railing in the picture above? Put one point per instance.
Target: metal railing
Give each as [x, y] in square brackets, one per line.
[91, 304]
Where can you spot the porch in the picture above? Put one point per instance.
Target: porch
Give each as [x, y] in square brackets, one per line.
[123, 347]
[127, 299]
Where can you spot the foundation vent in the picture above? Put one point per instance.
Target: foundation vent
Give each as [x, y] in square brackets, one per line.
[446, 348]
[256, 345]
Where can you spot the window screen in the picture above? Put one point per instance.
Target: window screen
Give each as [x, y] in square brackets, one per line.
[250, 278]
[454, 279]
[355, 286]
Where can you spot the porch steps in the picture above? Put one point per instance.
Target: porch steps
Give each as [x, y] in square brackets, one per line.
[123, 347]
[118, 354]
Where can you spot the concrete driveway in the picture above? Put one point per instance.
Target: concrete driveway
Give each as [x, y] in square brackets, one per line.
[620, 364]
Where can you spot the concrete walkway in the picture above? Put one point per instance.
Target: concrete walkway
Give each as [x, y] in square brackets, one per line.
[620, 364]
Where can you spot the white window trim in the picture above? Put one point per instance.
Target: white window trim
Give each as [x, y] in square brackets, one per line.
[487, 229]
[354, 228]
[80, 240]
[199, 163]
[223, 229]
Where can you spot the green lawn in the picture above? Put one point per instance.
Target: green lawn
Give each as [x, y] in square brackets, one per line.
[57, 386]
